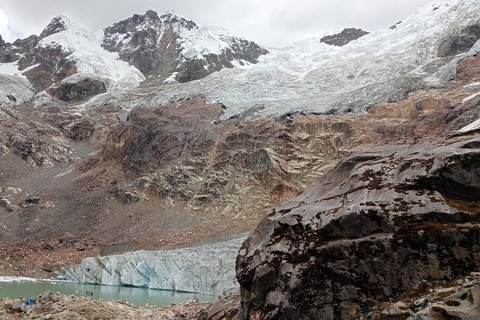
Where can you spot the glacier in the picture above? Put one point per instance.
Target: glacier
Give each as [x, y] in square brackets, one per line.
[313, 77]
[206, 268]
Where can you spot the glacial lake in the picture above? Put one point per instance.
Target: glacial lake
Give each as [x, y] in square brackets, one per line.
[29, 288]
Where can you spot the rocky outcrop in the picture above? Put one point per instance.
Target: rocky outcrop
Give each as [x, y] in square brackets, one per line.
[468, 69]
[460, 43]
[206, 268]
[42, 65]
[343, 38]
[78, 91]
[384, 221]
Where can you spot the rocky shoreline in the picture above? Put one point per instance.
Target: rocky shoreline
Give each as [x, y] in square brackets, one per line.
[459, 299]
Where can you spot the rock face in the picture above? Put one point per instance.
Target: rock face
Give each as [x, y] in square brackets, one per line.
[162, 46]
[42, 65]
[468, 69]
[79, 91]
[208, 268]
[344, 37]
[384, 221]
[460, 43]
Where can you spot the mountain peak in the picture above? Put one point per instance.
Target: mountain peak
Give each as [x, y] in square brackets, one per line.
[175, 19]
[58, 24]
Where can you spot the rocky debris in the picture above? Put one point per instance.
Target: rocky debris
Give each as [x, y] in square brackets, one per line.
[461, 302]
[78, 91]
[460, 43]
[40, 150]
[343, 38]
[56, 306]
[153, 44]
[124, 196]
[376, 226]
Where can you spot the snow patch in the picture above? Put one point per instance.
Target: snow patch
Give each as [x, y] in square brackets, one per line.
[470, 97]
[472, 126]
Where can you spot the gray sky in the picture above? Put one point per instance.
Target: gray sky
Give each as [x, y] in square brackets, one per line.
[273, 23]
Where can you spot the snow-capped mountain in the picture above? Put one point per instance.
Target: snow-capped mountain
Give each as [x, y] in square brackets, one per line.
[174, 47]
[311, 76]
[155, 59]
[169, 47]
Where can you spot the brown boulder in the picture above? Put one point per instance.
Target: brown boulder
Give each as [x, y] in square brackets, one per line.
[468, 69]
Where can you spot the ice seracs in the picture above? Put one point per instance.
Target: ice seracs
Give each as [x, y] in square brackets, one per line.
[314, 77]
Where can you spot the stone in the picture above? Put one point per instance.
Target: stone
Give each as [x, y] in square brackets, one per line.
[382, 221]
[147, 314]
[16, 305]
[46, 296]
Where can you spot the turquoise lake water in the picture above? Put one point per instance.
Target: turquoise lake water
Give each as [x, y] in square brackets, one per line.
[29, 288]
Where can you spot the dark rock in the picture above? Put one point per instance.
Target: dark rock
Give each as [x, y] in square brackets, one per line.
[2, 42]
[344, 37]
[124, 196]
[226, 308]
[460, 43]
[79, 91]
[57, 25]
[382, 222]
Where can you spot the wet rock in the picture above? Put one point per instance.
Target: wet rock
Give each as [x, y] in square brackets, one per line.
[381, 222]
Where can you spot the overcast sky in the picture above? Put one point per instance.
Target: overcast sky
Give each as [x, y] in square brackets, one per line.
[273, 23]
